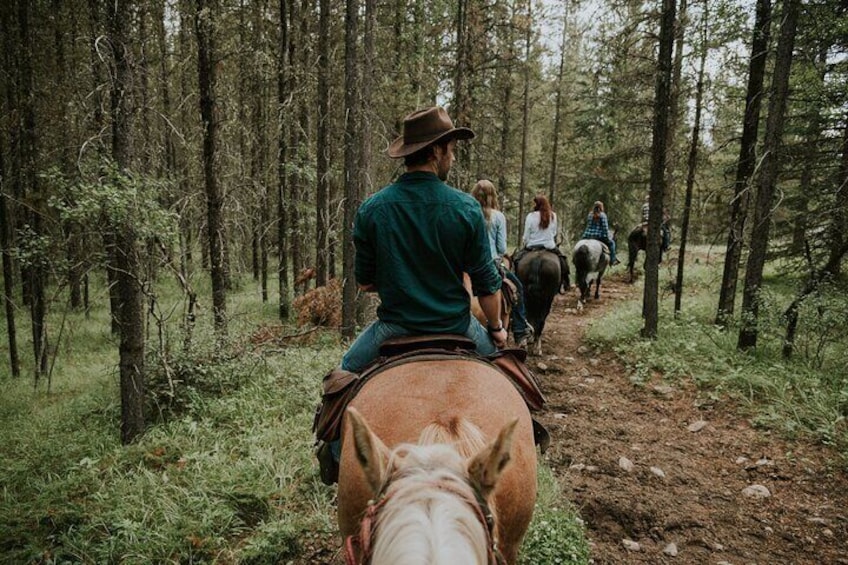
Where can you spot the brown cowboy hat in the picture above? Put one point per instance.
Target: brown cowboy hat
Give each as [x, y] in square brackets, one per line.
[425, 127]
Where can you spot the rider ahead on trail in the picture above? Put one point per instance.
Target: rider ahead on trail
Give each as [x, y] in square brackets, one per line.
[597, 227]
[415, 238]
[487, 195]
[540, 230]
[666, 233]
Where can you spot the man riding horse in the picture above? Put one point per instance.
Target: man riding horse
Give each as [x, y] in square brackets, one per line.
[414, 240]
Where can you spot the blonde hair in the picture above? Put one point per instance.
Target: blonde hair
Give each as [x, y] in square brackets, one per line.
[486, 194]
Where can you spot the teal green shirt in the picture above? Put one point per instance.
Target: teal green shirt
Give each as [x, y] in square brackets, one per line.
[414, 239]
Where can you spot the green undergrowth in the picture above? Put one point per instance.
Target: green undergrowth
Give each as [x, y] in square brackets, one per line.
[556, 534]
[804, 395]
[224, 473]
[227, 478]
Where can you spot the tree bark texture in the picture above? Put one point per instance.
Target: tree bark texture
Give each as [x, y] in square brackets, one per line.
[8, 274]
[659, 154]
[747, 162]
[127, 266]
[351, 165]
[525, 124]
[322, 194]
[558, 107]
[767, 180]
[35, 274]
[283, 94]
[692, 161]
[205, 30]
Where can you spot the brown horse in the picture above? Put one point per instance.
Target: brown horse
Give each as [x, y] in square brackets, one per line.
[446, 454]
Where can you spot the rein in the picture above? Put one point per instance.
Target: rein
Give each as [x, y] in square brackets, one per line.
[362, 541]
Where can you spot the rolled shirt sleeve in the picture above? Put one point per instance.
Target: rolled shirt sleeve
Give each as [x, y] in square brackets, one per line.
[485, 279]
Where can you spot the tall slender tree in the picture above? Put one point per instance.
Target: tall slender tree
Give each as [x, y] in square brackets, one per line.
[525, 134]
[6, 224]
[767, 179]
[692, 161]
[35, 274]
[558, 106]
[126, 254]
[207, 75]
[659, 151]
[283, 94]
[322, 166]
[747, 161]
[351, 164]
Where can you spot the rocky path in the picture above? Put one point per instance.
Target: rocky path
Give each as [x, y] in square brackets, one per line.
[662, 474]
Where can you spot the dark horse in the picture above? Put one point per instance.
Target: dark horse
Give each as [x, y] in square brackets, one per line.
[637, 241]
[590, 259]
[539, 272]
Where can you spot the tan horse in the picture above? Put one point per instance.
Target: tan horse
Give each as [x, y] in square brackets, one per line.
[441, 436]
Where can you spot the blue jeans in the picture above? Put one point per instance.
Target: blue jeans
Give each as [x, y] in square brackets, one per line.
[366, 347]
[519, 313]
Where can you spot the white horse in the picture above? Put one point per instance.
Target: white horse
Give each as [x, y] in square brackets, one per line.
[590, 259]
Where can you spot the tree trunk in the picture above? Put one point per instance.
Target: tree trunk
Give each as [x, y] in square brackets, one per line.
[258, 154]
[6, 194]
[747, 162]
[8, 275]
[366, 127]
[283, 92]
[34, 276]
[692, 162]
[659, 154]
[506, 113]
[558, 107]
[322, 165]
[127, 264]
[525, 123]
[839, 223]
[297, 71]
[674, 108]
[206, 66]
[767, 179]
[95, 22]
[351, 165]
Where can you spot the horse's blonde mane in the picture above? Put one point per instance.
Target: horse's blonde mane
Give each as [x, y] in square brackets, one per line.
[464, 436]
[421, 523]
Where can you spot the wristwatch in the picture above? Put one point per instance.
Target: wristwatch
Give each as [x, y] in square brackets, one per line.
[492, 330]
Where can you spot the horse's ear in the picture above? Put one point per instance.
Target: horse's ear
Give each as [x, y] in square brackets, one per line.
[485, 468]
[371, 452]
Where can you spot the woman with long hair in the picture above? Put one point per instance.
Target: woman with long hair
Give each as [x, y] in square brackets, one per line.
[540, 226]
[486, 194]
[597, 227]
[540, 231]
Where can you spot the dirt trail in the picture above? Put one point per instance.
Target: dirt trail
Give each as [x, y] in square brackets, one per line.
[685, 487]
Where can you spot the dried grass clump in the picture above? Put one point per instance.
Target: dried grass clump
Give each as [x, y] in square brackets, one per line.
[321, 306]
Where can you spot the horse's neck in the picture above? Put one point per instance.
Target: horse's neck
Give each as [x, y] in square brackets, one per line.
[424, 524]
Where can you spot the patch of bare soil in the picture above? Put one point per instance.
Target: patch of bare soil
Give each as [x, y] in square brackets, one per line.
[664, 467]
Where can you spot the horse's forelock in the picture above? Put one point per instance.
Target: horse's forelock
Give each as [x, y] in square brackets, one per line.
[464, 436]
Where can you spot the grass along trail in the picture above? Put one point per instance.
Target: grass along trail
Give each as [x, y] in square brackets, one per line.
[662, 472]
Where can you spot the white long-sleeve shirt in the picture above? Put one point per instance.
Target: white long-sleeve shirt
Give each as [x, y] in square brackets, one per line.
[535, 235]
